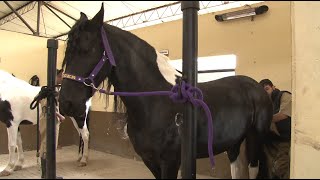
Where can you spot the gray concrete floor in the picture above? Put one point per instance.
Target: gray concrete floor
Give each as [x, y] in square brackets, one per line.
[100, 166]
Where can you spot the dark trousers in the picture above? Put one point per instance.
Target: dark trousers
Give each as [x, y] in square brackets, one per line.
[278, 159]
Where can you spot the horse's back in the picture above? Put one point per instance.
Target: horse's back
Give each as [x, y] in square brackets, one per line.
[232, 91]
[234, 103]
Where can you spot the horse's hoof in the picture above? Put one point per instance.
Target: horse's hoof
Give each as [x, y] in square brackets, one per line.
[4, 173]
[17, 168]
[79, 159]
[82, 164]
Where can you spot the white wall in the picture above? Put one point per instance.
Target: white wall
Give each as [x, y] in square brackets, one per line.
[305, 150]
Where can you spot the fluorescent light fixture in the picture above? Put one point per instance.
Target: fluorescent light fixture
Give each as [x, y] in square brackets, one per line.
[242, 13]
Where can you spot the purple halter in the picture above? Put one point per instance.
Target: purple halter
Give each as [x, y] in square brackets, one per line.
[98, 67]
[186, 94]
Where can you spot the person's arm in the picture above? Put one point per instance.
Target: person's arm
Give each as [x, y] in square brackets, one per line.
[278, 117]
[285, 108]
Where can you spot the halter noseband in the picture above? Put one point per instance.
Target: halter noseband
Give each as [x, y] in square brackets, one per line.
[89, 81]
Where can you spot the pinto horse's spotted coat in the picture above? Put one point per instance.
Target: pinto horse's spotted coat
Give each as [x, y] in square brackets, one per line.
[16, 96]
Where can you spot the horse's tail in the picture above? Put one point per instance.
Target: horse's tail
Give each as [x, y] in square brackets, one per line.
[263, 113]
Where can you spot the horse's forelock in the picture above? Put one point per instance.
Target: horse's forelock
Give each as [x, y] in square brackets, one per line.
[72, 45]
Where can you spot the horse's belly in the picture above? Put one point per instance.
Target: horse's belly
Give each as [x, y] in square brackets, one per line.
[21, 111]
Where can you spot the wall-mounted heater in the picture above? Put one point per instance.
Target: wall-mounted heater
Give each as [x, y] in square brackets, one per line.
[242, 13]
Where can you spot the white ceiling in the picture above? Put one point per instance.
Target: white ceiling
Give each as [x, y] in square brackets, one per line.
[51, 25]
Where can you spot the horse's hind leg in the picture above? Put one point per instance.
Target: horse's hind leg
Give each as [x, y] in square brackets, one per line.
[12, 144]
[20, 161]
[235, 161]
[253, 146]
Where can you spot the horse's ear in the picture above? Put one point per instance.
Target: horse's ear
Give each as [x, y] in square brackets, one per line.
[83, 16]
[98, 18]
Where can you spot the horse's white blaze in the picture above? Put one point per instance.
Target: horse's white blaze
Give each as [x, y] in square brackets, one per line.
[167, 71]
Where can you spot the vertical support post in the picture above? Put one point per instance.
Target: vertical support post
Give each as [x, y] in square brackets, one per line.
[189, 73]
[38, 18]
[52, 46]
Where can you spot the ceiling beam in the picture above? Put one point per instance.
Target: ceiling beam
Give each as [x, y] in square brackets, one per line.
[60, 35]
[22, 10]
[57, 15]
[38, 17]
[60, 11]
[144, 11]
[15, 12]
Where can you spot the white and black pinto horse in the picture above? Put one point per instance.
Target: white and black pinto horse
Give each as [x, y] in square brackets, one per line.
[241, 109]
[16, 96]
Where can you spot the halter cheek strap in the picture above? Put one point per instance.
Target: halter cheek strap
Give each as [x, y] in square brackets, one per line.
[89, 81]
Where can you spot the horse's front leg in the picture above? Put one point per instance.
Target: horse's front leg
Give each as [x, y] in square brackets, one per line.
[12, 144]
[43, 144]
[84, 134]
[85, 137]
[20, 161]
[57, 132]
[169, 169]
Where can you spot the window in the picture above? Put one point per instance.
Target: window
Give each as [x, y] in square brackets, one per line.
[211, 67]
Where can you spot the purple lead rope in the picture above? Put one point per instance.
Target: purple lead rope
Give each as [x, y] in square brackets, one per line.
[186, 95]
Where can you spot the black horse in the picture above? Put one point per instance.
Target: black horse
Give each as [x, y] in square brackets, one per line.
[240, 107]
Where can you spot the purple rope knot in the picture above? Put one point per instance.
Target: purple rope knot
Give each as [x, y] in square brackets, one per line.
[187, 93]
[194, 95]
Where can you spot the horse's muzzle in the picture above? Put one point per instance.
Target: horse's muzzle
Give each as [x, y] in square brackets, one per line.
[71, 109]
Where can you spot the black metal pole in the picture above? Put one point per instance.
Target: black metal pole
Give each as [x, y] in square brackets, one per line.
[52, 46]
[189, 73]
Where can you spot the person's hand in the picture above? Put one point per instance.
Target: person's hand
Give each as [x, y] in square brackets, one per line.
[278, 117]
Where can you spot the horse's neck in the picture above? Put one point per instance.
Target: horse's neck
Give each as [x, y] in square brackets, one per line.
[151, 72]
[154, 75]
